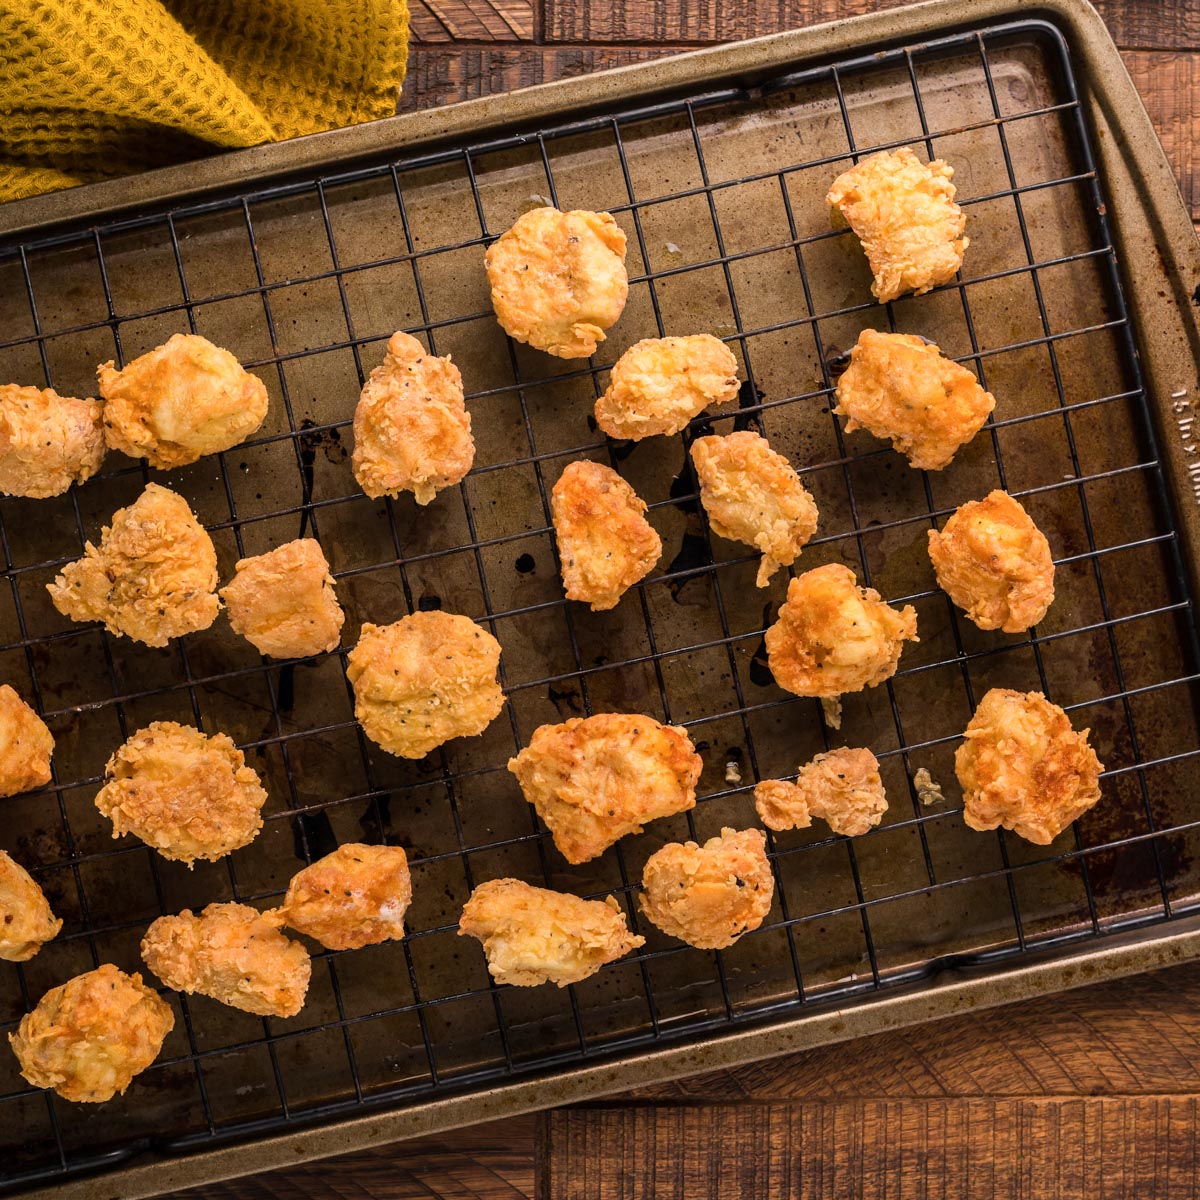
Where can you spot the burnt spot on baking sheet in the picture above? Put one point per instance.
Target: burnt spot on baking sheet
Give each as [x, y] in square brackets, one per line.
[313, 832]
[749, 397]
[428, 602]
[760, 672]
[526, 564]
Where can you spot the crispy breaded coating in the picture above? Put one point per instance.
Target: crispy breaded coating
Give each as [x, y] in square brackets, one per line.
[903, 390]
[605, 543]
[842, 787]
[423, 680]
[708, 896]
[1024, 767]
[47, 441]
[187, 795]
[994, 563]
[26, 746]
[182, 400]
[595, 779]
[833, 637]
[659, 384]
[532, 935]
[231, 954]
[283, 602]
[153, 578]
[905, 216]
[90, 1036]
[558, 280]
[354, 897]
[412, 431]
[752, 495]
[26, 922]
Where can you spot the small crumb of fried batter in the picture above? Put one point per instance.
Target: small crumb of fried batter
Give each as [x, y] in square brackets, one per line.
[283, 602]
[230, 953]
[187, 795]
[753, 495]
[929, 791]
[834, 637]
[532, 935]
[26, 745]
[423, 680]
[153, 577]
[708, 896]
[659, 384]
[182, 400]
[558, 280]
[595, 779]
[354, 897]
[605, 543]
[412, 431]
[89, 1037]
[842, 787]
[995, 563]
[26, 921]
[1023, 766]
[47, 441]
[905, 216]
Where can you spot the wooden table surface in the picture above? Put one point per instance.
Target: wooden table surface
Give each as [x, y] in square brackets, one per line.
[1092, 1094]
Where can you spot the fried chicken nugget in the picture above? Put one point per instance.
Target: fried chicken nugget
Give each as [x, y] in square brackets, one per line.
[1024, 767]
[558, 280]
[532, 935]
[842, 787]
[354, 897]
[833, 636]
[26, 922]
[47, 441]
[595, 779]
[708, 896]
[994, 563]
[752, 495]
[153, 578]
[89, 1037]
[412, 431]
[187, 795]
[605, 543]
[659, 384]
[182, 400]
[905, 216]
[901, 389]
[423, 680]
[283, 602]
[26, 746]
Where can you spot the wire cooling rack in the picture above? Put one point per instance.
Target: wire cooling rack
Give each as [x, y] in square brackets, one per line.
[722, 197]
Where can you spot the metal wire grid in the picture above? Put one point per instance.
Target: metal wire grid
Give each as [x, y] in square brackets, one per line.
[755, 413]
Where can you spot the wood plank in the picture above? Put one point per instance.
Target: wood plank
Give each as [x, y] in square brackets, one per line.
[471, 20]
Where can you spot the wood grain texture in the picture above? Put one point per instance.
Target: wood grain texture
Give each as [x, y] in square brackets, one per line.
[471, 20]
[1169, 84]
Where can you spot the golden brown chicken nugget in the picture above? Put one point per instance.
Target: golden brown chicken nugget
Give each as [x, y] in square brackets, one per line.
[283, 602]
[26, 922]
[187, 795]
[153, 578]
[659, 384]
[833, 637]
[903, 390]
[605, 543]
[842, 787]
[753, 495]
[1024, 767]
[595, 779]
[905, 216]
[89, 1037]
[412, 431]
[558, 280]
[182, 400]
[532, 935]
[994, 563]
[231, 954]
[708, 896]
[26, 746]
[47, 441]
[423, 680]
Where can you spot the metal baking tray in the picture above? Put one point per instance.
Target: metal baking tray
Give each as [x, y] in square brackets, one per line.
[1075, 308]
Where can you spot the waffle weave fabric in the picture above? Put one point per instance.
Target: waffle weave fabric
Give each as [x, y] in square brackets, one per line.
[91, 89]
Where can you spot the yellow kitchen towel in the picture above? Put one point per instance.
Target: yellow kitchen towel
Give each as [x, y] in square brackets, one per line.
[91, 89]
